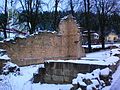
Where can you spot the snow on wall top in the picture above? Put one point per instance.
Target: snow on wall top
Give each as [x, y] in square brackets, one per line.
[111, 60]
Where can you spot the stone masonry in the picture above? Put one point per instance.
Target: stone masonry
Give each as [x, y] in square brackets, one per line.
[45, 46]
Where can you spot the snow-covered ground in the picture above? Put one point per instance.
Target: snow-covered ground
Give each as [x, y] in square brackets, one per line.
[23, 81]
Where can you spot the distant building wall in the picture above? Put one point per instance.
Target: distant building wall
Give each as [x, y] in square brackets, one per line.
[44, 46]
[112, 37]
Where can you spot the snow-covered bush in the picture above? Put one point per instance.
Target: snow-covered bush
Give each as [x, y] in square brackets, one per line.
[10, 68]
[95, 80]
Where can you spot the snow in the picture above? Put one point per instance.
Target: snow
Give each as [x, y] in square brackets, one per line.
[2, 50]
[89, 87]
[23, 81]
[96, 58]
[115, 82]
[100, 46]
[109, 61]
[21, 36]
[79, 79]
[80, 62]
[102, 55]
[64, 18]
[95, 82]
[94, 77]
[15, 35]
[10, 64]
[4, 57]
[74, 81]
[96, 34]
[96, 73]
[105, 71]
[115, 51]
[43, 31]
[1, 41]
[8, 39]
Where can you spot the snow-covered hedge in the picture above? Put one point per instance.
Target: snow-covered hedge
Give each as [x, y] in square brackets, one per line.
[93, 81]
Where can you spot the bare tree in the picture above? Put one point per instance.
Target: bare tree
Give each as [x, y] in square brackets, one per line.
[32, 9]
[87, 21]
[56, 15]
[5, 22]
[104, 8]
[72, 7]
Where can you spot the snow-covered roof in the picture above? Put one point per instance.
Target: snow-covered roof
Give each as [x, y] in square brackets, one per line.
[96, 34]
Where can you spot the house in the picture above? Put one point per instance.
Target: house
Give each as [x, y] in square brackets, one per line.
[112, 37]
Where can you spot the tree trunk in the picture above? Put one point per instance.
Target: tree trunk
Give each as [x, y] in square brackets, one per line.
[5, 23]
[56, 15]
[72, 8]
[102, 29]
[87, 22]
[88, 25]
[102, 25]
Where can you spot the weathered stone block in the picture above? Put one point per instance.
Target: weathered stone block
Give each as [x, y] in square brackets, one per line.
[67, 79]
[57, 79]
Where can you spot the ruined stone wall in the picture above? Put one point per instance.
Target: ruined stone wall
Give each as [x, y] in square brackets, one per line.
[65, 72]
[70, 32]
[35, 49]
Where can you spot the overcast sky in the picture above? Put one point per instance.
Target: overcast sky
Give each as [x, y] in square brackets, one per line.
[63, 5]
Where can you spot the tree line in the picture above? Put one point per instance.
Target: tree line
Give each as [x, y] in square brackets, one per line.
[98, 15]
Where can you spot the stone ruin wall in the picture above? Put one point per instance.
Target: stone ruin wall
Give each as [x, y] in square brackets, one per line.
[45, 46]
[65, 72]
